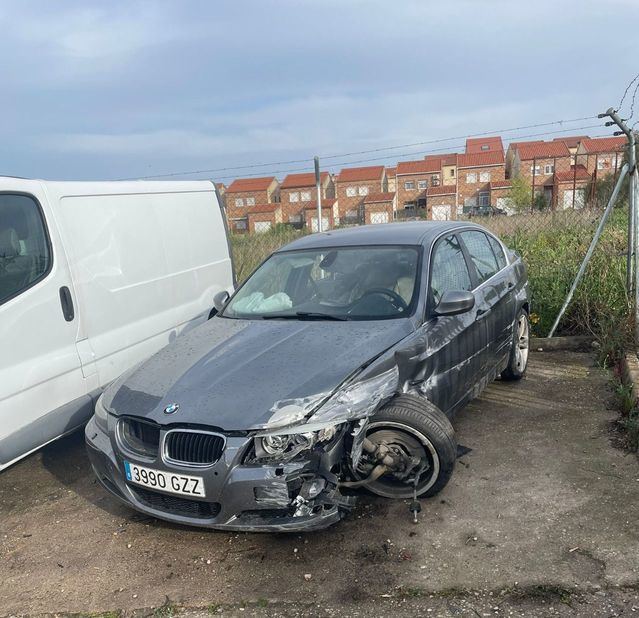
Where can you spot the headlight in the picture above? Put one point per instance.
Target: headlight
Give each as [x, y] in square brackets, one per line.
[284, 447]
[101, 415]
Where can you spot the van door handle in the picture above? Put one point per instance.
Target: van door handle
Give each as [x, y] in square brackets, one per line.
[67, 304]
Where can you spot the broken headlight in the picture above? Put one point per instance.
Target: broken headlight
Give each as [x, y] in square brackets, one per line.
[284, 447]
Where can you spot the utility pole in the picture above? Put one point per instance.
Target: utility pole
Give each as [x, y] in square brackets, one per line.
[318, 185]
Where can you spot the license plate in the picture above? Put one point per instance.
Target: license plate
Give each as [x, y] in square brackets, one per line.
[165, 481]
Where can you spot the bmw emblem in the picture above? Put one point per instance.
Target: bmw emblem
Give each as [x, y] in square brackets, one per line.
[172, 408]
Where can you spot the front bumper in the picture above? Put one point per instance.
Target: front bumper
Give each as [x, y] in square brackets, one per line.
[252, 498]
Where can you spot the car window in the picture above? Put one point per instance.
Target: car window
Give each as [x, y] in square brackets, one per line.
[354, 283]
[449, 271]
[498, 251]
[481, 254]
[24, 247]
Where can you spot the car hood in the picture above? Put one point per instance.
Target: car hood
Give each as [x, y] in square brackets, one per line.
[231, 374]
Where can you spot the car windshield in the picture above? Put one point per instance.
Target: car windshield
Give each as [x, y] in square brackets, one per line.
[342, 283]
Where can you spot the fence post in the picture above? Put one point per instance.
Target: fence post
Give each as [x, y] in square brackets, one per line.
[318, 185]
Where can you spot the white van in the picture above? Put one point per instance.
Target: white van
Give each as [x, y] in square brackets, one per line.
[95, 277]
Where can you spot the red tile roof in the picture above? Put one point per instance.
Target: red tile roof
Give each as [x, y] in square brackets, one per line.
[260, 208]
[422, 166]
[481, 159]
[579, 172]
[327, 202]
[446, 159]
[484, 144]
[391, 171]
[379, 197]
[441, 190]
[241, 185]
[604, 144]
[500, 184]
[357, 174]
[294, 181]
[541, 150]
[571, 141]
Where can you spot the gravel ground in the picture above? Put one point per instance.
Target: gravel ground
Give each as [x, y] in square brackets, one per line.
[539, 519]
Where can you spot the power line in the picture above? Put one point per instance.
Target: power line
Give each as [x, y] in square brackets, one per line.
[360, 152]
[339, 164]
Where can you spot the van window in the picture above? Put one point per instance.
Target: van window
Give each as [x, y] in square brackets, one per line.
[25, 256]
[481, 254]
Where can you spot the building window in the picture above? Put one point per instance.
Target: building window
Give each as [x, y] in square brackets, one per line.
[409, 205]
[603, 164]
[250, 201]
[422, 184]
[484, 146]
[240, 224]
[484, 199]
[452, 173]
[471, 178]
[305, 196]
[535, 169]
[295, 218]
[363, 190]
[484, 177]
[549, 168]
[409, 185]
[351, 191]
[294, 197]
[351, 214]
[239, 202]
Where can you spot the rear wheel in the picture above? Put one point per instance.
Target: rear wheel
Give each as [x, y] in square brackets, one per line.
[417, 429]
[518, 360]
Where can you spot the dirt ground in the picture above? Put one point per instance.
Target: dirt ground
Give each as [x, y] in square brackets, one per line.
[542, 512]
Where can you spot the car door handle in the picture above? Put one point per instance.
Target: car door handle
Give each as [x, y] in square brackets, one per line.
[511, 285]
[67, 304]
[481, 314]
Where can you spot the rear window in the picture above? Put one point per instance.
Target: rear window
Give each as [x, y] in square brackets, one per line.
[498, 251]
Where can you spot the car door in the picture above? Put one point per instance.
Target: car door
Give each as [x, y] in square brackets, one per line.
[494, 293]
[42, 390]
[455, 344]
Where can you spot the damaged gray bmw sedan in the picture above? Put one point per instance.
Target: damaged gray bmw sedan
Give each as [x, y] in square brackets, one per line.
[335, 366]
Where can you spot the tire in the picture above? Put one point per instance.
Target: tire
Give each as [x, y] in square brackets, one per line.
[414, 422]
[518, 359]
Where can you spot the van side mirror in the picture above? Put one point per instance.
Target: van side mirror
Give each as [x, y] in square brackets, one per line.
[455, 302]
[220, 300]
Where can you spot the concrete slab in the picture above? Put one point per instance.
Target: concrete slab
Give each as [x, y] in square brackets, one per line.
[542, 499]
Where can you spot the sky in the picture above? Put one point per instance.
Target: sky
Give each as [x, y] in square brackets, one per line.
[126, 89]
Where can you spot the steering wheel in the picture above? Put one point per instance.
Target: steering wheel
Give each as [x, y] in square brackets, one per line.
[396, 300]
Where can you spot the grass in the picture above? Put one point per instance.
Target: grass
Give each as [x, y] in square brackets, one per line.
[552, 245]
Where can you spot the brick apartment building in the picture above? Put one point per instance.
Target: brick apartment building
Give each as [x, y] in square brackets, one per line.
[441, 202]
[475, 173]
[380, 207]
[245, 193]
[298, 191]
[413, 179]
[263, 217]
[537, 162]
[352, 185]
[391, 173]
[601, 155]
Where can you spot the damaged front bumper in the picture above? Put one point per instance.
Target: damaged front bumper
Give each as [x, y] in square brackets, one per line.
[292, 496]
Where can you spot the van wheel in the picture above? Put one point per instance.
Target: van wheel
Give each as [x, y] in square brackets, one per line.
[518, 360]
[418, 429]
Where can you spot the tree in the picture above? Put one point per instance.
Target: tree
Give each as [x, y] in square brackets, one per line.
[520, 193]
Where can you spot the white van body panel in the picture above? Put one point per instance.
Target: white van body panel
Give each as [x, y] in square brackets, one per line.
[142, 261]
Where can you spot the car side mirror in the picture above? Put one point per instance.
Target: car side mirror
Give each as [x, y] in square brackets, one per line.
[220, 300]
[455, 302]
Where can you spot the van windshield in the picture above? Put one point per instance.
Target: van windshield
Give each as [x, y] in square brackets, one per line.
[343, 283]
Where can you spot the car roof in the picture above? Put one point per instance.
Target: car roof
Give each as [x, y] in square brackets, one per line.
[408, 233]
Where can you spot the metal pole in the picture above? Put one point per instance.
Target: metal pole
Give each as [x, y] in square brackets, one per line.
[318, 185]
[591, 248]
[631, 261]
